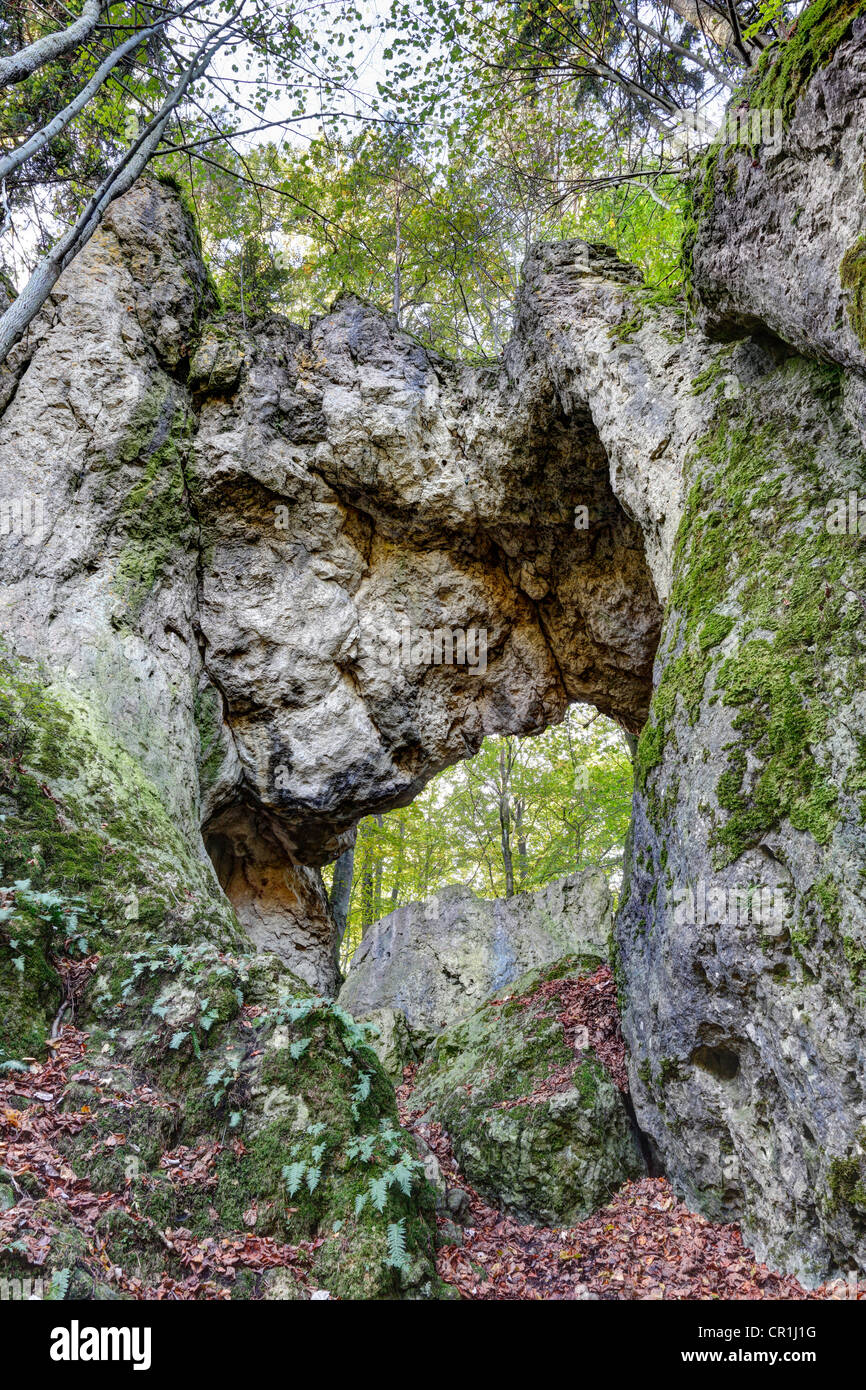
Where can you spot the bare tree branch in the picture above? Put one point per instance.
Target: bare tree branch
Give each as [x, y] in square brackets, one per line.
[54, 127]
[20, 314]
[25, 62]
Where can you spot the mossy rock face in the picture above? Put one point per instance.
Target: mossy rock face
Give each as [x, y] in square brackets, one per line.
[89, 857]
[742, 931]
[852, 276]
[30, 989]
[194, 1040]
[550, 1157]
[392, 1041]
[785, 174]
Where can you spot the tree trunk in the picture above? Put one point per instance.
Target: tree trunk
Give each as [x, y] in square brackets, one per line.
[26, 61]
[398, 866]
[341, 888]
[505, 820]
[522, 856]
[377, 891]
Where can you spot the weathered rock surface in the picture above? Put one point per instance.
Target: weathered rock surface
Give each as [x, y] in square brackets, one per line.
[537, 1126]
[743, 928]
[435, 961]
[226, 567]
[392, 1041]
[779, 243]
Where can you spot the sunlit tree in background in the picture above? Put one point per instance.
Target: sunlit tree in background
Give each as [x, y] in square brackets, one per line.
[518, 815]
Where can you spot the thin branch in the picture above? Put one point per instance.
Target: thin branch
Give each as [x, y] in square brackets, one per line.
[20, 314]
[26, 61]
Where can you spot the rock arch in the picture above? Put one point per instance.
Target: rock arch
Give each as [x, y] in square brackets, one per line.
[240, 662]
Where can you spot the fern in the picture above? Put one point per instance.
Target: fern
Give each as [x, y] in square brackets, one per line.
[360, 1092]
[379, 1192]
[402, 1173]
[356, 1034]
[293, 1176]
[59, 1286]
[391, 1138]
[361, 1147]
[397, 1254]
[298, 1048]
[296, 1010]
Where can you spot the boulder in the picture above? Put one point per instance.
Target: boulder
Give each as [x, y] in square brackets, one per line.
[537, 1122]
[391, 1040]
[435, 961]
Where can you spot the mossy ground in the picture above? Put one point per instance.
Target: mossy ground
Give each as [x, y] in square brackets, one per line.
[229, 1045]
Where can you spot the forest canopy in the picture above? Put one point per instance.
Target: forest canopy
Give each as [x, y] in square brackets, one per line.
[410, 157]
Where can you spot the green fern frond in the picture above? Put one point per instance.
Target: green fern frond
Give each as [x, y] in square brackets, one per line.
[397, 1255]
[293, 1176]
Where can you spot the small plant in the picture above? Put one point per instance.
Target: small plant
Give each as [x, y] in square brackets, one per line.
[306, 1170]
[59, 1286]
[20, 902]
[401, 1174]
[398, 1257]
[221, 1078]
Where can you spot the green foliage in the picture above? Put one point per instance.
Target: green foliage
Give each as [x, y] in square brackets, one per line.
[398, 1257]
[58, 1286]
[556, 802]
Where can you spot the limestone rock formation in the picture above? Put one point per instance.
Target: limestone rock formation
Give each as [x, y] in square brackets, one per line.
[435, 961]
[228, 534]
[743, 930]
[778, 244]
[536, 1122]
[392, 1042]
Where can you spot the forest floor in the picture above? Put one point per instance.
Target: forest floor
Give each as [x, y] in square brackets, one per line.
[645, 1244]
[33, 1129]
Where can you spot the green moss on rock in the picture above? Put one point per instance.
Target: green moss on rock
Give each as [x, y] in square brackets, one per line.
[852, 276]
[212, 1042]
[758, 572]
[547, 1155]
[785, 70]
